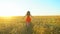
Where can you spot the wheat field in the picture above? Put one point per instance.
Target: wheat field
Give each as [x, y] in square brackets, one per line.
[40, 25]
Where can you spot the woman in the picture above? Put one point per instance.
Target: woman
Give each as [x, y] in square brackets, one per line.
[28, 18]
[28, 23]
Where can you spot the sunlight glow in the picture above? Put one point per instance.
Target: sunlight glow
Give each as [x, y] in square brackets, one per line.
[6, 17]
[36, 7]
[7, 9]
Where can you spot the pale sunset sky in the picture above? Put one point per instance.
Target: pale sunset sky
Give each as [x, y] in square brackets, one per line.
[36, 7]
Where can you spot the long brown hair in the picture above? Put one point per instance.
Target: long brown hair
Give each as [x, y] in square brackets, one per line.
[28, 13]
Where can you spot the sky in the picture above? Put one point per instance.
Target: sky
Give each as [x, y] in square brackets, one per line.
[36, 7]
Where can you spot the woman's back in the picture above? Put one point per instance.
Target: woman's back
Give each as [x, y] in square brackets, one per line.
[28, 19]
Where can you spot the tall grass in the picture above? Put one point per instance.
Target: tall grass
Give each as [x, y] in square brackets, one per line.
[40, 25]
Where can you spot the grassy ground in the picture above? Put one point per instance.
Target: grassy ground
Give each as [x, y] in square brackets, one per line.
[40, 25]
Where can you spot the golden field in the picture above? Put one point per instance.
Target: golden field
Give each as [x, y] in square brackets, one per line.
[40, 25]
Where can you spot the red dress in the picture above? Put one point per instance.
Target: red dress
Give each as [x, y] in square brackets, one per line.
[28, 19]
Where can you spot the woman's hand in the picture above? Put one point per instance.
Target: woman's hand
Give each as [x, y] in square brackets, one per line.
[32, 17]
[23, 17]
